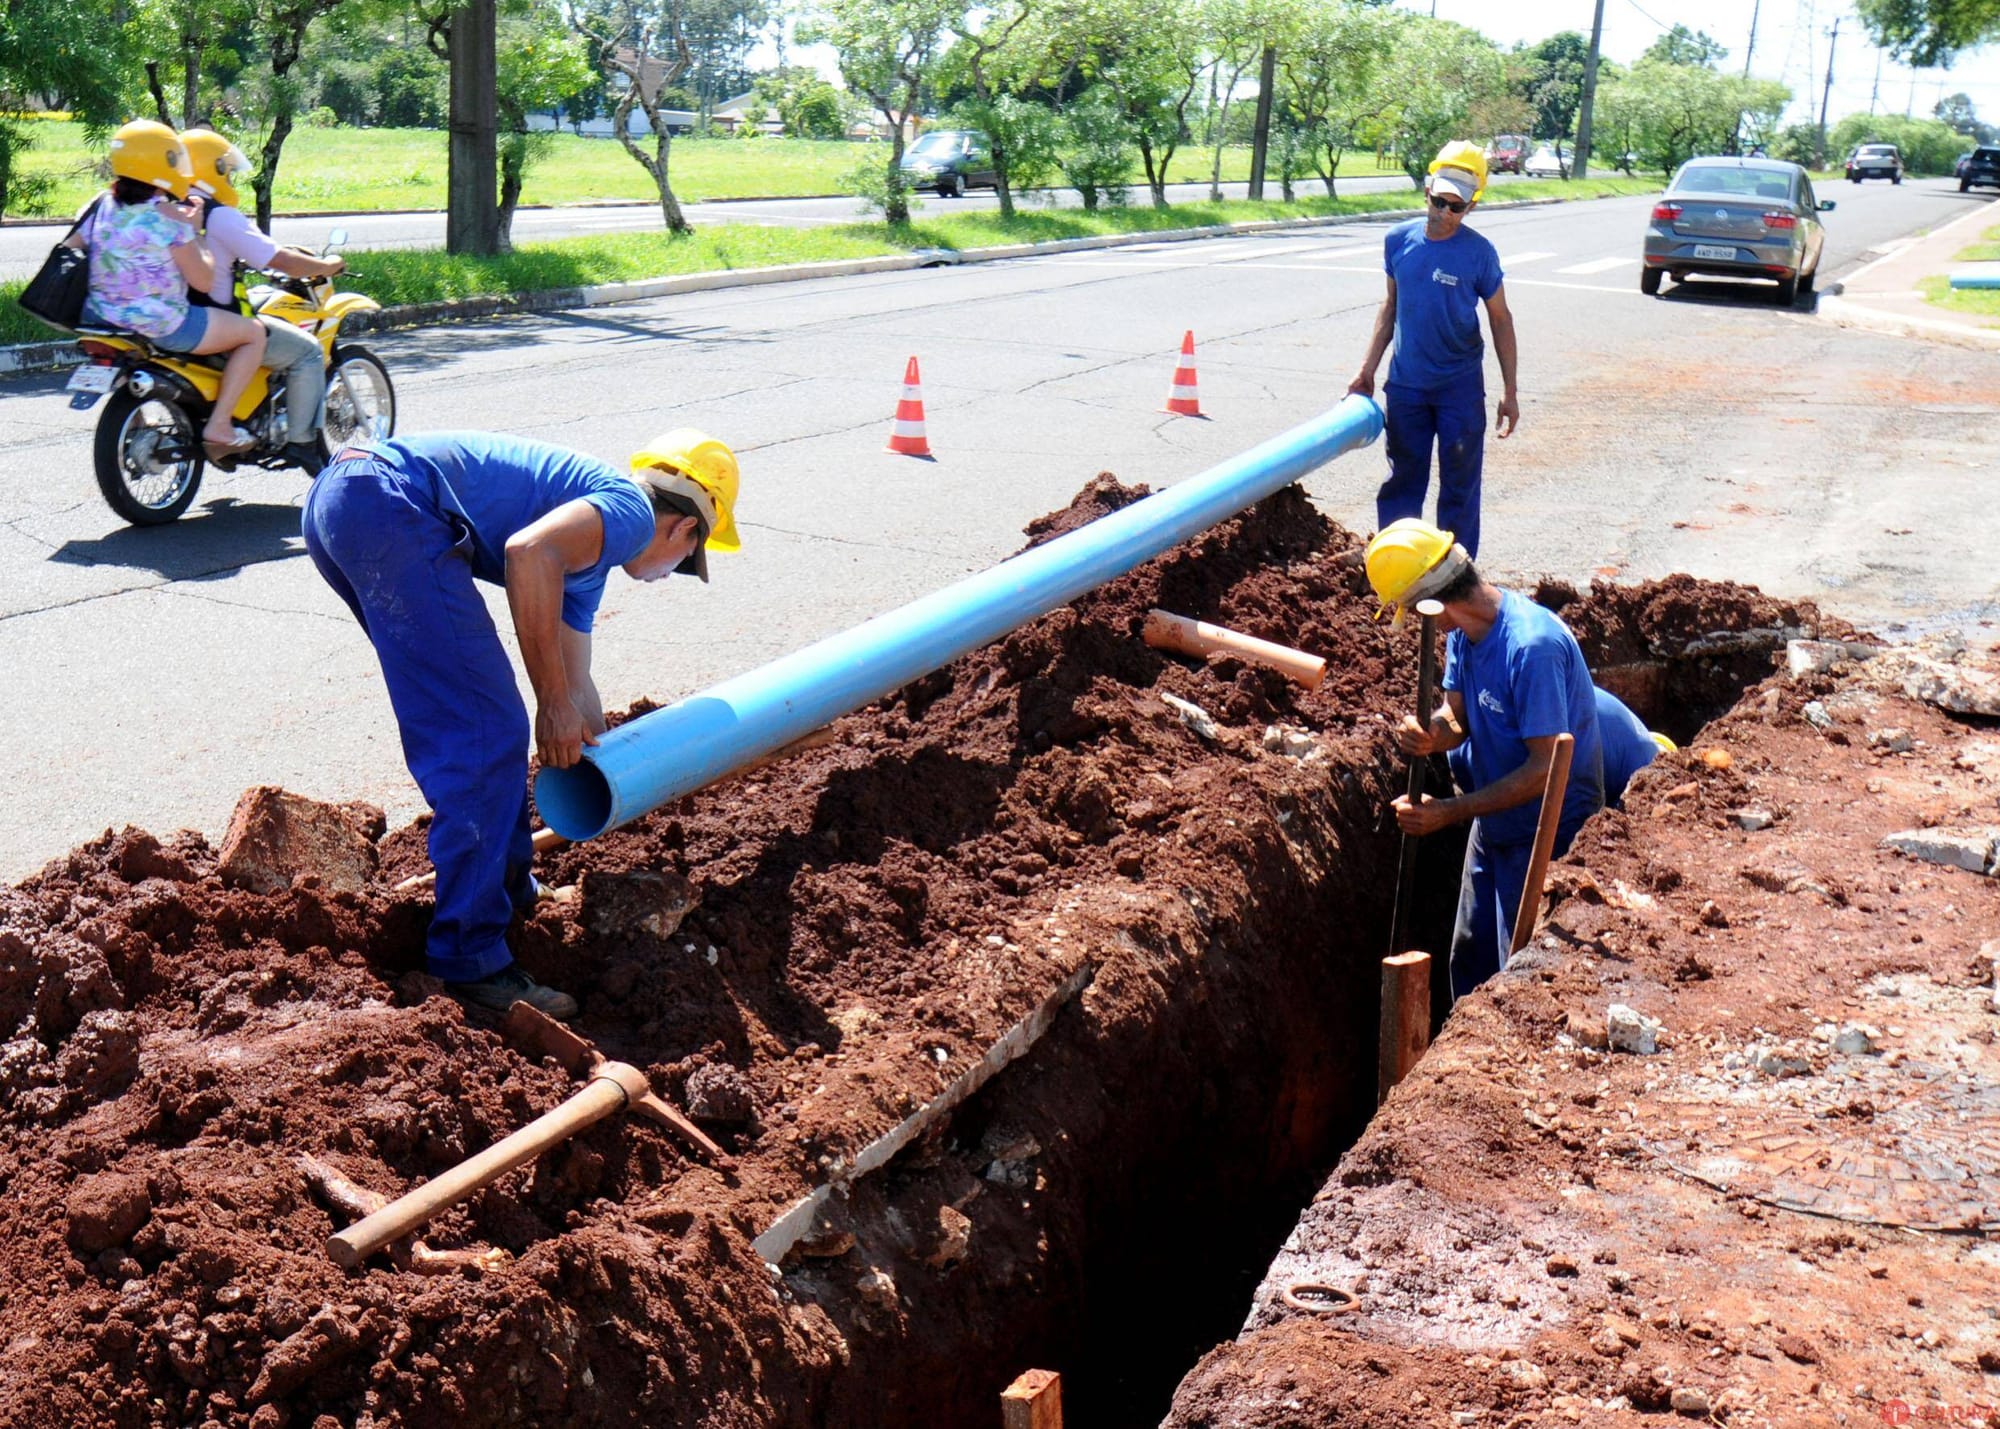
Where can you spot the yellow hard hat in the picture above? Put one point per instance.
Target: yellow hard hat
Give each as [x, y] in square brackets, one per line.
[1463, 154]
[150, 152]
[708, 475]
[1667, 746]
[1410, 559]
[213, 159]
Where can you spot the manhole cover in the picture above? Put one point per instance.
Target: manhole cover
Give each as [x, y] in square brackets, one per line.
[1911, 1139]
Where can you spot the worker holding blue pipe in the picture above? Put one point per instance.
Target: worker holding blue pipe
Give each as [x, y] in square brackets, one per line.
[1514, 682]
[401, 530]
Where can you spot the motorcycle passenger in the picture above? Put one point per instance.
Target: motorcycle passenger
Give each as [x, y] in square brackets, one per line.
[234, 238]
[144, 257]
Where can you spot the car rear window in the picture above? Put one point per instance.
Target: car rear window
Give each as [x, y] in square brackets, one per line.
[1729, 179]
[1877, 151]
[1987, 155]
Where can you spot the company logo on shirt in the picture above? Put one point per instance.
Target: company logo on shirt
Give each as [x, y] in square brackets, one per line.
[1487, 701]
[1438, 275]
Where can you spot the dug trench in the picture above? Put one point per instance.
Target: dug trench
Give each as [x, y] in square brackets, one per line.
[1148, 895]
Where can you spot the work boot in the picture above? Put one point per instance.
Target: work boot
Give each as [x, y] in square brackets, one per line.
[510, 985]
[306, 456]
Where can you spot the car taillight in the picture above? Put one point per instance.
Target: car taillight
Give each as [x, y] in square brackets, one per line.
[1780, 220]
[1666, 212]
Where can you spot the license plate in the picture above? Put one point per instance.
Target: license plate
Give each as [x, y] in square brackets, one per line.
[92, 379]
[1703, 250]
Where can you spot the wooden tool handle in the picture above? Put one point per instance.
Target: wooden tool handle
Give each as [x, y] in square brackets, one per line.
[1166, 631]
[543, 841]
[1545, 841]
[1406, 868]
[614, 1085]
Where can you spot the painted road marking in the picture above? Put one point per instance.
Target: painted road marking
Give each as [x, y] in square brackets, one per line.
[1596, 265]
[1514, 260]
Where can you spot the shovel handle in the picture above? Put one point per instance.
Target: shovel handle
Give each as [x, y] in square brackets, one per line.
[614, 1085]
[1545, 841]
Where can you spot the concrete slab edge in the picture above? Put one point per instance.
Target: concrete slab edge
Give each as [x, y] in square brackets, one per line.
[49, 356]
[1852, 313]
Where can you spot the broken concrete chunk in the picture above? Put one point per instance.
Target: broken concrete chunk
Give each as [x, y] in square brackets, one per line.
[1921, 675]
[276, 837]
[1750, 820]
[640, 901]
[1690, 1401]
[1856, 1039]
[1292, 742]
[1192, 715]
[1782, 1061]
[1894, 740]
[1976, 850]
[1816, 715]
[1627, 1030]
[1816, 657]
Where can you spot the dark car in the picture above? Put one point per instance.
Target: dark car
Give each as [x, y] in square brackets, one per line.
[1507, 153]
[1738, 218]
[1875, 161]
[950, 161]
[1982, 166]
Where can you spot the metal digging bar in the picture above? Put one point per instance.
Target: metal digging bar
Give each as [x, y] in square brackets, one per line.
[673, 751]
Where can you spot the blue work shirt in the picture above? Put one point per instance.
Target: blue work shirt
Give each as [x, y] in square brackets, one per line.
[498, 485]
[1628, 745]
[1439, 287]
[1526, 679]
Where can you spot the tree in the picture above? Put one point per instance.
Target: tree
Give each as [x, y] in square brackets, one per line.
[720, 35]
[1926, 34]
[1928, 146]
[280, 28]
[642, 49]
[1151, 59]
[1682, 46]
[1239, 33]
[1436, 73]
[1959, 114]
[1330, 92]
[539, 61]
[997, 59]
[1667, 113]
[1555, 86]
[1096, 147]
[887, 49]
[66, 51]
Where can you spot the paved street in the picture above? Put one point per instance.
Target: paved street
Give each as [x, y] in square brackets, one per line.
[159, 672]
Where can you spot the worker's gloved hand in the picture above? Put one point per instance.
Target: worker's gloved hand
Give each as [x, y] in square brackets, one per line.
[1425, 817]
[560, 734]
[1413, 739]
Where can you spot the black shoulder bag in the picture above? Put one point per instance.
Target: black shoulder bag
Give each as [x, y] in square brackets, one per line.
[56, 294]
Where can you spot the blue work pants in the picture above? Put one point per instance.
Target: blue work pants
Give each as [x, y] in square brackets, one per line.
[1489, 896]
[404, 568]
[1453, 420]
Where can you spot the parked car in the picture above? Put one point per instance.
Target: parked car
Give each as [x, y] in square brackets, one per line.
[950, 161]
[1546, 163]
[1875, 161]
[1738, 218]
[1982, 166]
[1507, 153]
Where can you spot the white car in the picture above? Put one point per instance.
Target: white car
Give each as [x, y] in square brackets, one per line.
[1545, 163]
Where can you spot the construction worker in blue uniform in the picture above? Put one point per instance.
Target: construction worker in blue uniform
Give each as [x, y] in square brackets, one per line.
[401, 530]
[1628, 745]
[1514, 680]
[1439, 272]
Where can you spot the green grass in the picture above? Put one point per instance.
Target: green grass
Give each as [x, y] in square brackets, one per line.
[1987, 250]
[399, 276]
[1979, 302]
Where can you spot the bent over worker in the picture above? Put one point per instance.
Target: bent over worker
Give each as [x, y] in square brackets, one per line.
[401, 529]
[1628, 745]
[1439, 272]
[1514, 680]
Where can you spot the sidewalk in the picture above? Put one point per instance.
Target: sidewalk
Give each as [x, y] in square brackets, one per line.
[1882, 296]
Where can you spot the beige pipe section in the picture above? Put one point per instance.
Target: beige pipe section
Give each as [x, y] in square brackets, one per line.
[1166, 631]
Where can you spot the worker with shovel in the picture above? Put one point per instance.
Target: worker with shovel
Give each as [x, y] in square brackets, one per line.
[1514, 682]
[401, 529]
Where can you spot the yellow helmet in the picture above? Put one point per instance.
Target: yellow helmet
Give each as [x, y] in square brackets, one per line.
[1410, 559]
[213, 160]
[708, 478]
[1667, 746]
[1462, 154]
[150, 152]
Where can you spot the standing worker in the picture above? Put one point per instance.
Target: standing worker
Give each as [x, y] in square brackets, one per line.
[401, 529]
[1514, 680]
[234, 240]
[1439, 272]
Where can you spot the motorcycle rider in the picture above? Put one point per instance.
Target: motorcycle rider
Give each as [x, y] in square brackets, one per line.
[235, 239]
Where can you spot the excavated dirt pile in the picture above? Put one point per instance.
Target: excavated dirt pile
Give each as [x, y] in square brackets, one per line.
[1040, 853]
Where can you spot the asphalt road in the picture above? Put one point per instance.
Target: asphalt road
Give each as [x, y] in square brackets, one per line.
[157, 673]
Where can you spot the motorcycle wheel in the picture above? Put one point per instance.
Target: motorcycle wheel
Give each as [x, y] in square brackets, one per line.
[360, 400]
[148, 457]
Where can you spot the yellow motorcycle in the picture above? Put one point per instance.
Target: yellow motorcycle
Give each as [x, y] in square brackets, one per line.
[149, 456]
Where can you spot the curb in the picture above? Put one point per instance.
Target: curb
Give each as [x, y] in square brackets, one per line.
[61, 353]
[1849, 313]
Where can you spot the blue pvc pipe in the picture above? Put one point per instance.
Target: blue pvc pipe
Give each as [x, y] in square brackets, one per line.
[674, 751]
[1987, 277]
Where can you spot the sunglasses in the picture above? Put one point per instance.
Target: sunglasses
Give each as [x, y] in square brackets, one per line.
[1449, 205]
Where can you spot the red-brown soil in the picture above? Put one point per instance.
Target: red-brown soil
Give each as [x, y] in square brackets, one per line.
[868, 919]
[1779, 1232]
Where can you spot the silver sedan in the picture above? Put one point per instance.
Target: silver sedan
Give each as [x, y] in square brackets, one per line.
[1739, 218]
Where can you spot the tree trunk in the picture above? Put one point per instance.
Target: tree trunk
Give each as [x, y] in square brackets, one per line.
[266, 177]
[1002, 188]
[1156, 171]
[896, 210]
[472, 202]
[159, 95]
[191, 47]
[656, 163]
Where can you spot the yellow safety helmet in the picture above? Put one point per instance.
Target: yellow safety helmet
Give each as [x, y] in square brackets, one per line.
[1410, 559]
[150, 152]
[1465, 155]
[213, 160]
[1667, 746]
[707, 477]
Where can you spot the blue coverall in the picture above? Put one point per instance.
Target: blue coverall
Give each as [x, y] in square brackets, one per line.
[401, 531]
[1628, 745]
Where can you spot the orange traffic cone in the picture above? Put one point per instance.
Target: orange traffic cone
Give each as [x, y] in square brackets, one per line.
[907, 437]
[1183, 399]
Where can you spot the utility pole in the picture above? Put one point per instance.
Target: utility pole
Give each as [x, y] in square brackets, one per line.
[1876, 88]
[472, 187]
[1260, 140]
[1580, 161]
[1826, 93]
[1751, 48]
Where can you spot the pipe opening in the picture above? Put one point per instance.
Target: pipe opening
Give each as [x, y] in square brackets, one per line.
[575, 802]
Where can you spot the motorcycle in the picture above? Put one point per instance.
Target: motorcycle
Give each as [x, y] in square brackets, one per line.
[149, 457]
